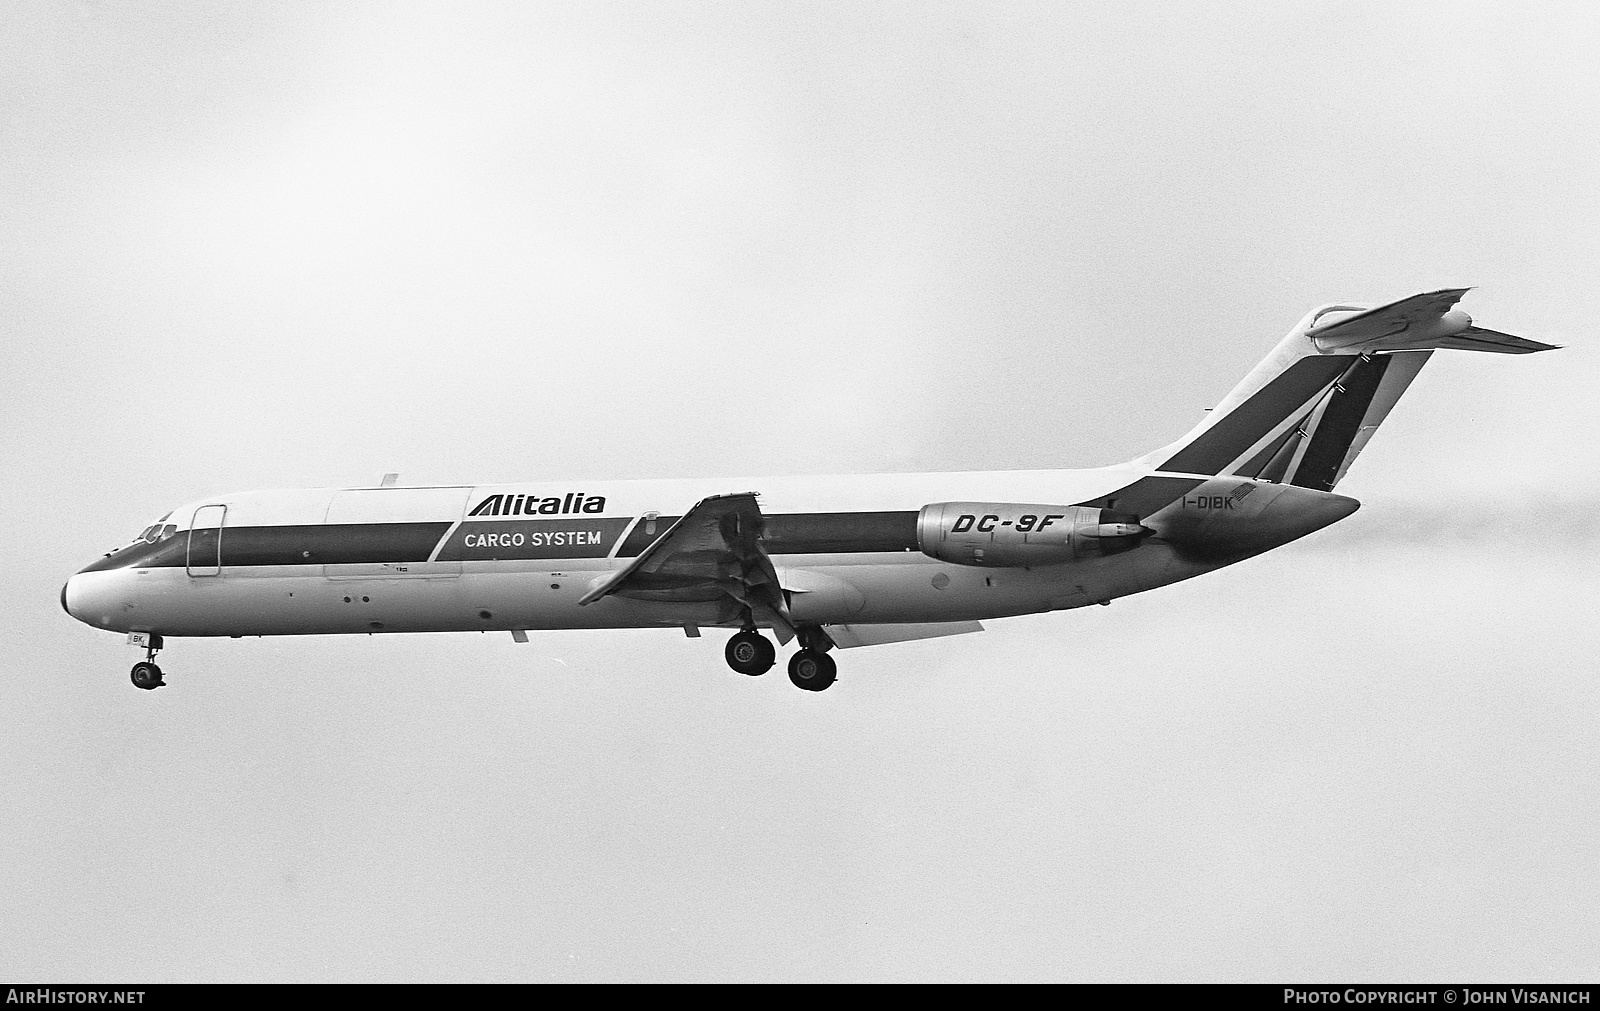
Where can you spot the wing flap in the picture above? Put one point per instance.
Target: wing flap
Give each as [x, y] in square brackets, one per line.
[713, 551]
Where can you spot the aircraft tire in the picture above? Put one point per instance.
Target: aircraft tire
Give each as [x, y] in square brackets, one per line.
[750, 653]
[812, 670]
[146, 675]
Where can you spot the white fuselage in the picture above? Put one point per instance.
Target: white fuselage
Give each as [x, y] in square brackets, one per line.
[458, 559]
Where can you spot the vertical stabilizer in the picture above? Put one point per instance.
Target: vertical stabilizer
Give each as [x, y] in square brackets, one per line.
[1303, 415]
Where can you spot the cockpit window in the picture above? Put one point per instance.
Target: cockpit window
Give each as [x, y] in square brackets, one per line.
[156, 545]
[156, 532]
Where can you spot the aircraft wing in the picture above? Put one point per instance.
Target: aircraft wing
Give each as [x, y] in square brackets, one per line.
[1421, 322]
[713, 552]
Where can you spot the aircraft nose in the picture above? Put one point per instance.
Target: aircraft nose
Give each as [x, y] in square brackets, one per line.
[93, 600]
[73, 599]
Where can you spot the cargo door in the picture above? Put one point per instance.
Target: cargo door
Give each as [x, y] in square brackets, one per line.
[205, 541]
[390, 532]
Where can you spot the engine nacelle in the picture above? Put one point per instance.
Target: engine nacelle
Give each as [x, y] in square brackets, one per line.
[1014, 534]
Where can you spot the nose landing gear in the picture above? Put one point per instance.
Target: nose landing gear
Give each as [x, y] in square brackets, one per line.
[145, 673]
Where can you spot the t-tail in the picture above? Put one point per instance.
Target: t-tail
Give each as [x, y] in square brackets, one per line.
[1259, 472]
[1303, 415]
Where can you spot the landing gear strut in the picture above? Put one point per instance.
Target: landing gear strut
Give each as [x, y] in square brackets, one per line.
[145, 673]
[749, 652]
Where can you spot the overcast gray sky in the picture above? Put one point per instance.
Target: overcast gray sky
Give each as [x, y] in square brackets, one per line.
[303, 244]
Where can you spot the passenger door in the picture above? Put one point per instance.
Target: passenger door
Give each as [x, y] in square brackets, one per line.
[205, 541]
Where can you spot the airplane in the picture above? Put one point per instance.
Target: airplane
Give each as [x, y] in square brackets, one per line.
[830, 562]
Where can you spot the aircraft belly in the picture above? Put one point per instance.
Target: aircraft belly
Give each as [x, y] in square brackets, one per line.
[922, 589]
[293, 601]
[907, 588]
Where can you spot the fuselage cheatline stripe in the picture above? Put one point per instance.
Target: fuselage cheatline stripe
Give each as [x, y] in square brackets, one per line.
[506, 539]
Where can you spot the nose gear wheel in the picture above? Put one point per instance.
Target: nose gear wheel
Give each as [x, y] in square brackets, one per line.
[146, 675]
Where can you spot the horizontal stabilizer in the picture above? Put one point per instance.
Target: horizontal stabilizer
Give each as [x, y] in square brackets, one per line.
[1476, 338]
[1419, 323]
[851, 636]
[1336, 328]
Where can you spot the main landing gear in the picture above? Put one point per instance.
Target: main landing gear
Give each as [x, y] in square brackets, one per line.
[749, 652]
[145, 673]
[812, 670]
